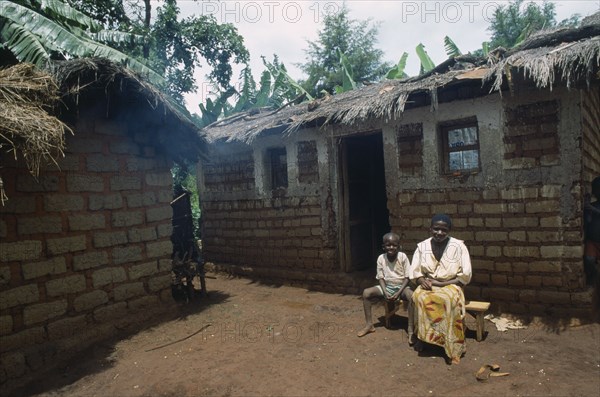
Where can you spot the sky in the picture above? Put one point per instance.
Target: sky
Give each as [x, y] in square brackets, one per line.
[284, 27]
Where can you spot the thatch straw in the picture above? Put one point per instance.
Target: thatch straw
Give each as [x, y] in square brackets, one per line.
[568, 55]
[75, 75]
[385, 101]
[179, 136]
[26, 127]
[568, 62]
[27, 95]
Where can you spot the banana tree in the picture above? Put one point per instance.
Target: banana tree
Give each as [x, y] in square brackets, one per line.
[397, 72]
[427, 63]
[37, 31]
[453, 51]
[348, 82]
[276, 89]
[213, 109]
[451, 48]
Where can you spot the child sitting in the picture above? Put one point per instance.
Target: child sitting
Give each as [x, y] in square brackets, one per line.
[392, 274]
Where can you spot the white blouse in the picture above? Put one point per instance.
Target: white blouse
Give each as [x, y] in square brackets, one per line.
[455, 262]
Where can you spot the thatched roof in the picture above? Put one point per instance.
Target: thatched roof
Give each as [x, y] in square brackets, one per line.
[167, 121]
[30, 98]
[26, 127]
[563, 55]
[385, 100]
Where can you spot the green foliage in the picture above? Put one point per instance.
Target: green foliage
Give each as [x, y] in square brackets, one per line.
[572, 22]
[348, 82]
[485, 48]
[213, 109]
[276, 88]
[178, 46]
[109, 13]
[397, 72]
[426, 63]
[516, 21]
[165, 48]
[284, 88]
[39, 31]
[247, 93]
[184, 179]
[451, 48]
[356, 40]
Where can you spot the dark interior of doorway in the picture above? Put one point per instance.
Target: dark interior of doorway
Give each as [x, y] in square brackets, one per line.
[367, 213]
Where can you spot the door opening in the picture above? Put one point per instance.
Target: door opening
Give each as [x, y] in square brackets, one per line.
[364, 202]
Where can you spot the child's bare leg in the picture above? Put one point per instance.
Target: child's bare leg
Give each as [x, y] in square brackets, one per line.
[368, 295]
[410, 330]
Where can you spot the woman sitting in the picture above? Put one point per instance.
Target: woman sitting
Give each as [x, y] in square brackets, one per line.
[441, 267]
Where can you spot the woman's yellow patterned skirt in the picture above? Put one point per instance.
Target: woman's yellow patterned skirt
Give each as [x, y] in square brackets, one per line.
[440, 318]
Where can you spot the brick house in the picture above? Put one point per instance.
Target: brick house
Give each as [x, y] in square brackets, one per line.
[506, 146]
[85, 247]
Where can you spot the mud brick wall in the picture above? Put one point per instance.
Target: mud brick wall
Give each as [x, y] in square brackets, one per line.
[590, 119]
[250, 230]
[278, 234]
[525, 259]
[224, 174]
[82, 248]
[531, 137]
[410, 149]
[522, 222]
[308, 165]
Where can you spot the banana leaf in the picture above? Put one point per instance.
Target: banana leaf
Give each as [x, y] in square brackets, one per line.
[36, 28]
[397, 72]
[426, 62]
[65, 12]
[451, 48]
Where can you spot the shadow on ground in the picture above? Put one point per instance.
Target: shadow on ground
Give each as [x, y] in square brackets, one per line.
[101, 356]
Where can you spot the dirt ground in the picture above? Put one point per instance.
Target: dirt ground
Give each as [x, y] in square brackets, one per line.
[252, 339]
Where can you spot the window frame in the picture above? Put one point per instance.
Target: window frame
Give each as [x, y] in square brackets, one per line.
[444, 129]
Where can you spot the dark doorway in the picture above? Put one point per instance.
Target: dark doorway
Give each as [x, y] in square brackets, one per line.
[364, 200]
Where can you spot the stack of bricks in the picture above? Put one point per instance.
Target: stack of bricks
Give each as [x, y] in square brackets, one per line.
[83, 246]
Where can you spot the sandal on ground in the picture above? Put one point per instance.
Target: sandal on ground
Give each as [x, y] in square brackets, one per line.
[489, 370]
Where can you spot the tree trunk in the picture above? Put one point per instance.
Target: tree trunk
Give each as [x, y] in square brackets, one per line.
[147, 26]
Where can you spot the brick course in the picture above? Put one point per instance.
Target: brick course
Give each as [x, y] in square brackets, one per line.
[82, 248]
[519, 214]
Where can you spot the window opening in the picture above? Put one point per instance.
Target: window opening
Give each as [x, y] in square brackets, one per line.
[460, 146]
[278, 160]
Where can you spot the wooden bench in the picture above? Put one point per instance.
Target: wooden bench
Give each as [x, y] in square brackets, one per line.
[476, 309]
[390, 309]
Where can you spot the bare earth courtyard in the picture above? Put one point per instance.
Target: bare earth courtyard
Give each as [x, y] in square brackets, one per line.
[252, 339]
